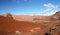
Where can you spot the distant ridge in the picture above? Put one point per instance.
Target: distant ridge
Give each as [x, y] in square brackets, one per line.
[54, 17]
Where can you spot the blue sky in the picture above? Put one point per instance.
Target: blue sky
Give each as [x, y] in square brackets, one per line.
[30, 7]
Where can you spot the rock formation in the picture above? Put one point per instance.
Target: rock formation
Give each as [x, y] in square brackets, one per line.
[9, 15]
[56, 16]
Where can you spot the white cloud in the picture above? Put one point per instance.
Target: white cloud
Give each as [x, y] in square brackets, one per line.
[50, 8]
[50, 5]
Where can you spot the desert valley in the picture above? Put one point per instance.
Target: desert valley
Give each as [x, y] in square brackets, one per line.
[29, 25]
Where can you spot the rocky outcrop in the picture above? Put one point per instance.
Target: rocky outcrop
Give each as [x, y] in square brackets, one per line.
[9, 15]
[56, 16]
[57, 13]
